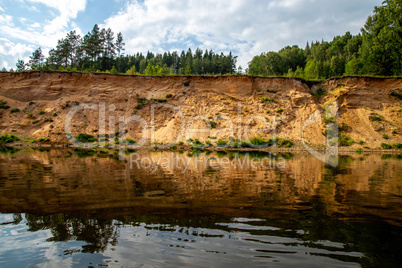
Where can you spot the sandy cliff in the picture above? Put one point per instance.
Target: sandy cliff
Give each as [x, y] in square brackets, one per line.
[251, 106]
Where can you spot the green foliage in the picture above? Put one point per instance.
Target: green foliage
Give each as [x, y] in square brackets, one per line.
[41, 112]
[15, 110]
[3, 105]
[211, 124]
[279, 111]
[397, 94]
[44, 140]
[48, 120]
[8, 138]
[375, 117]
[54, 114]
[385, 136]
[318, 93]
[386, 146]
[395, 131]
[141, 103]
[169, 96]
[375, 51]
[361, 142]
[329, 120]
[221, 143]
[345, 140]
[83, 137]
[285, 143]
[129, 141]
[267, 99]
[159, 100]
[397, 145]
[180, 143]
[29, 115]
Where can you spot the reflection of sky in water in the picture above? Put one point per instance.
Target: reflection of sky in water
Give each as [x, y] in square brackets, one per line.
[166, 245]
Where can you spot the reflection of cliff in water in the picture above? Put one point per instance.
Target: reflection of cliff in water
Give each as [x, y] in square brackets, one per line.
[61, 181]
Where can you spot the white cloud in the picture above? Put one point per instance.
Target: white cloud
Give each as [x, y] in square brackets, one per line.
[2, 9]
[6, 20]
[68, 10]
[248, 27]
[11, 52]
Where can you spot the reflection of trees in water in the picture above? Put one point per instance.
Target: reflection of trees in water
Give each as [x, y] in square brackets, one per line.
[312, 228]
[98, 233]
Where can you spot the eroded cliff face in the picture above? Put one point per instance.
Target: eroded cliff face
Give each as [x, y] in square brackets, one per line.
[235, 106]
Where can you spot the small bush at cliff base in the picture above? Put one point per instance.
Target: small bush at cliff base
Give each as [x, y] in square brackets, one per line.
[397, 145]
[82, 137]
[221, 143]
[386, 146]
[285, 143]
[8, 138]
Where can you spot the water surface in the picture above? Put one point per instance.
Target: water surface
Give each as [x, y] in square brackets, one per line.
[87, 209]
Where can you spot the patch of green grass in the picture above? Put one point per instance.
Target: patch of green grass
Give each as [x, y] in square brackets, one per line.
[54, 114]
[385, 136]
[386, 146]
[169, 96]
[375, 117]
[397, 145]
[8, 138]
[279, 111]
[3, 105]
[221, 143]
[210, 123]
[159, 100]
[359, 151]
[361, 142]
[180, 143]
[29, 115]
[42, 112]
[285, 143]
[329, 120]
[267, 99]
[395, 131]
[83, 137]
[345, 140]
[48, 120]
[141, 103]
[44, 140]
[15, 110]
[129, 141]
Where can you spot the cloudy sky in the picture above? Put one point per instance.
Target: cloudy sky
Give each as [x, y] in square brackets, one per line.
[245, 27]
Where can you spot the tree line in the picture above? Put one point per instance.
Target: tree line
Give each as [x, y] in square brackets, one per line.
[377, 50]
[100, 50]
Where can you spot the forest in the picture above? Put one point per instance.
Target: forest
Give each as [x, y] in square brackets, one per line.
[100, 51]
[376, 51]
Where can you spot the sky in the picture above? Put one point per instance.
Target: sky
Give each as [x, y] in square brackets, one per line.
[245, 27]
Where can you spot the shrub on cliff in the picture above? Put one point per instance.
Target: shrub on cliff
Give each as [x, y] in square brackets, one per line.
[82, 137]
[8, 138]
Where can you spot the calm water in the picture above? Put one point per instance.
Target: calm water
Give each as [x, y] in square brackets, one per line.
[66, 208]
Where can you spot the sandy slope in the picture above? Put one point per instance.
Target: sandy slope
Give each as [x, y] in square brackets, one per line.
[226, 100]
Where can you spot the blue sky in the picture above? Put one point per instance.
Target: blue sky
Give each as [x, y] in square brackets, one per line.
[245, 27]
